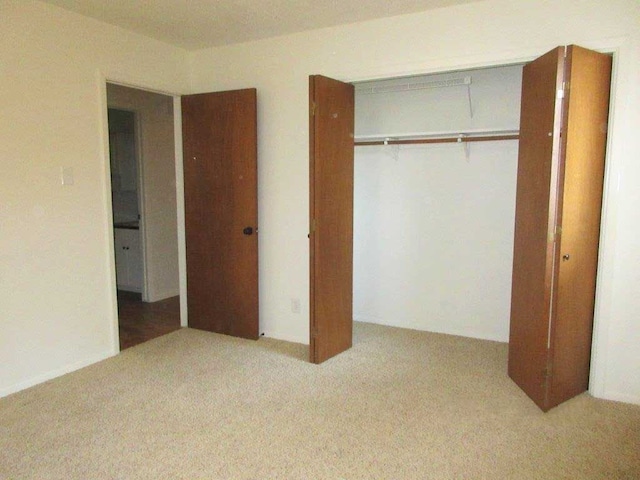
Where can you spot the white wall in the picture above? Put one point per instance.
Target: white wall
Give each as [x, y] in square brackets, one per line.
[484, 33]
[57, 310]
[494, 95]
[433, 224]
[124, 164]
[433, 237]
[159, 222]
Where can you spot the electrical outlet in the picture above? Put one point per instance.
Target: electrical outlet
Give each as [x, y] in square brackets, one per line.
[295, 305]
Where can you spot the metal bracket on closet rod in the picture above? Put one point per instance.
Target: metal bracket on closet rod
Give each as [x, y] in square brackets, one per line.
[467, 146]
[395, 153]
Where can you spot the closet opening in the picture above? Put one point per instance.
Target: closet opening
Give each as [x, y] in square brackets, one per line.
[465, 203]
[412, 201]
[435, 167]
[144, 212]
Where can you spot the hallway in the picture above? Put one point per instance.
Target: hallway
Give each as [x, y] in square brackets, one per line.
[139, 321]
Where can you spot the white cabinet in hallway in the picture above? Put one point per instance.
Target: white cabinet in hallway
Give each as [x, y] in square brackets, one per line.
[128, 259]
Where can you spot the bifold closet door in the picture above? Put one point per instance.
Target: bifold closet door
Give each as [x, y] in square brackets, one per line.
[586, 112]
[564, 110]
[534, 224]
[331, 154]
[221, 211]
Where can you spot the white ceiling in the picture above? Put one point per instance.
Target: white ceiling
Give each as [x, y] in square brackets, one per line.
[194, 24]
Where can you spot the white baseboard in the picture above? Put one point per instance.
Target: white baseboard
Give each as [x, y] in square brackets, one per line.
[619, 397]
[304, 339]
[156, 297]
[446, 331]
[287, 337]
[129, 288]
[53, 374]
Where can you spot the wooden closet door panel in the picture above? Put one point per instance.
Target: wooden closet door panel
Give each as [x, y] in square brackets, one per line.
[534, 224]
[220, 175]
[331, 128]
[585, 132]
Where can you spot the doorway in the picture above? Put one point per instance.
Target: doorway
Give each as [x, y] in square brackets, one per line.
[143, 180]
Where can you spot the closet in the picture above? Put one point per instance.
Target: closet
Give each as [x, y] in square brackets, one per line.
[432, 237]
[434, 201]
[418, 231]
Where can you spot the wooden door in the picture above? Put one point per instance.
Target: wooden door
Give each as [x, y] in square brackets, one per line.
[221, 211]
[558, 204]
[586, 109]
[331, 127]
[534, 239]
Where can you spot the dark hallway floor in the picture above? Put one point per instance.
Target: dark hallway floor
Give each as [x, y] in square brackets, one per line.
[140, 321]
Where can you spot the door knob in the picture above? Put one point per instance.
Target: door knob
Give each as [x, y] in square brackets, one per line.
[565, 257]
[247, 230]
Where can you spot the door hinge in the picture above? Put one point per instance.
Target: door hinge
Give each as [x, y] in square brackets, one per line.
[314, 332]
[314, 107]
[561, 91]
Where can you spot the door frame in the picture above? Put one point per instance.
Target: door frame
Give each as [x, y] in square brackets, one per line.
[102, 79]
[597, 375]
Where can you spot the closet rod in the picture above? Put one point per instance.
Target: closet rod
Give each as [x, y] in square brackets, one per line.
[458, 139]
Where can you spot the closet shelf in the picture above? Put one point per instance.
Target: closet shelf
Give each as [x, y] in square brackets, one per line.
[437, 137]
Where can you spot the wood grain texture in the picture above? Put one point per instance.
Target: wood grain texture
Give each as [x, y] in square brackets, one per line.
[220, 174]
[534, 224]
[331, 127]
[586, 107]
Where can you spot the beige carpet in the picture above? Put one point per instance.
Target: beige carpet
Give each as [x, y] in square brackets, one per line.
[400, 405]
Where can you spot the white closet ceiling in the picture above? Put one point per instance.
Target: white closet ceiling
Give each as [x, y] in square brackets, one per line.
[194, 24]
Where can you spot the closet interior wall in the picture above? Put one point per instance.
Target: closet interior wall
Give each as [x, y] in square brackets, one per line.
[433, 223]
